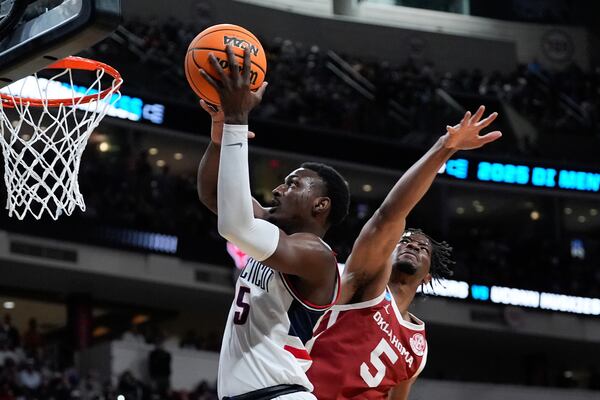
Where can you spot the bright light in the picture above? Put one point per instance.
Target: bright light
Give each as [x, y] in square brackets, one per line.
[153, 151]
[568, 210]
[460, 210]
[593, 212]
[160, 163]
[574, 304]
[9, 305]
[447, 288]
[581, 219]
[178, 156]
[104, 147]
[479, 208]
[534, 215]
[367, 188]
[515, 297]
[120, 397]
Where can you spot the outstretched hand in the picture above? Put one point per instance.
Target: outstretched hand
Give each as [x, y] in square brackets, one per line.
[218, 119]
[237, 100]
[465, 135]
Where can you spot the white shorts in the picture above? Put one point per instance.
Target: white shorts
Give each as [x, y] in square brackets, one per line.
[297, 396]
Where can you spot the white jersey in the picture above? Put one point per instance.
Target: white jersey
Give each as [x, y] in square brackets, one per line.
[267, 327]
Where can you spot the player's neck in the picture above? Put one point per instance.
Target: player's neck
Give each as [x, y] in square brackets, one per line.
[315, 229]
[404, 293]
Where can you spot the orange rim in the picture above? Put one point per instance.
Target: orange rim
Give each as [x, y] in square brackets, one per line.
[72, 62]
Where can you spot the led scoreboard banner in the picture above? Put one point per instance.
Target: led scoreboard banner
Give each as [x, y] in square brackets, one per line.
[534, 176]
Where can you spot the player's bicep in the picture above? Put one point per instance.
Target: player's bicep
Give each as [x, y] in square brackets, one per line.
[301, 254]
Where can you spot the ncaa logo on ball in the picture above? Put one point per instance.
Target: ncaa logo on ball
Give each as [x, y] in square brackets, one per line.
[417, 344]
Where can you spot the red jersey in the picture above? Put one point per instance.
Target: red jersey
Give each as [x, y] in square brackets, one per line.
[363, 350]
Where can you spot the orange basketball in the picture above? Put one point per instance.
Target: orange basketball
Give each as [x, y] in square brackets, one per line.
[214, 39]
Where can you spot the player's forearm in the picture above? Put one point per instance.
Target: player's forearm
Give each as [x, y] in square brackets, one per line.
[208, 172]
[236, 221]
[415, 182]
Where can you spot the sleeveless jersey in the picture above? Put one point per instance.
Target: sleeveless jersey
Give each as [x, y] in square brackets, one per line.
[363, 350]
[267, 328]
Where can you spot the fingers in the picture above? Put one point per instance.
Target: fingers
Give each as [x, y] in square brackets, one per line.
[477, 116]
[261, 90]
[465, 118]
[209, 108]
[234, 69]
[215, 64]
[210, 80]
[486, 122]
[251, 135]
[490, 137]
[246, 68]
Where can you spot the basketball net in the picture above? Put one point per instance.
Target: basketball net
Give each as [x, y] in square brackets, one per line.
[43, 137]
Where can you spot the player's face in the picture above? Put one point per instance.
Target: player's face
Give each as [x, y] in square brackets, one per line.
[294, 199]
[412, 255]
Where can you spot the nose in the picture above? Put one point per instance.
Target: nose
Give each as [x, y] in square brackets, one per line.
[277, 192]
[412, 246]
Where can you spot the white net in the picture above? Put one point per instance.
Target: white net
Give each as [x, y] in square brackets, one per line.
[42, 145]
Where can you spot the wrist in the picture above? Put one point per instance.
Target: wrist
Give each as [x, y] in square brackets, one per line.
[234, 133]
[445, 145]
[236, 119]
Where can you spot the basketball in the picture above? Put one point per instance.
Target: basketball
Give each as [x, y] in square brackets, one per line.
[214, 39]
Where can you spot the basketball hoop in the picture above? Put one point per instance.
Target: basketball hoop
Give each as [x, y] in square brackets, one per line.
[44, 128]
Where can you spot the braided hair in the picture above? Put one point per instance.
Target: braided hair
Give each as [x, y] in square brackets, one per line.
[441, 261]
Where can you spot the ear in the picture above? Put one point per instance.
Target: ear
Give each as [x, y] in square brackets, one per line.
[427, 279]
[321, 205]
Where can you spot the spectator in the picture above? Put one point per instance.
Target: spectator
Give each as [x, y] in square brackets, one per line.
[159, 368]
[29, 377]
[130, 387]
[10, 333]
[32, 339]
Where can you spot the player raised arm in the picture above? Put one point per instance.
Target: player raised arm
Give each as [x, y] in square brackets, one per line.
[298, 253]
[208, 169]
[368, 267]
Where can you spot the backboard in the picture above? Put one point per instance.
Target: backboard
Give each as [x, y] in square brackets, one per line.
[35, 33]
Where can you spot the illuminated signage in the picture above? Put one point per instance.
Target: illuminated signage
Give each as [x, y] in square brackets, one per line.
[480, 292]
[126, 107]
[447, 288]
[514, 297]
[522, 175]
[142, 240]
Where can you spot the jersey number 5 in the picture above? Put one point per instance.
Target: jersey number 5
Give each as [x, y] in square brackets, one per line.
[240, 316]
[382, 348]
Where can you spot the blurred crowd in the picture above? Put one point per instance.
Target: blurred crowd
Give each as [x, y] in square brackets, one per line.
[123, 190]
[30, 370]
[310, 86]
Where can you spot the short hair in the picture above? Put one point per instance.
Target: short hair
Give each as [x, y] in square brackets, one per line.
[337, 190]
[441, 257]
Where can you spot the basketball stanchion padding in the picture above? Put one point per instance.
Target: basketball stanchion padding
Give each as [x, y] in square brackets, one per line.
[45, 125]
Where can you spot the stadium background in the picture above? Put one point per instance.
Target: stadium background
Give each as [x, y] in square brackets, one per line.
[143, 273]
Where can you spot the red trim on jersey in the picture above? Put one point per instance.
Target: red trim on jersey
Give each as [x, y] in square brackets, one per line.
[298, 353]
[316, 306]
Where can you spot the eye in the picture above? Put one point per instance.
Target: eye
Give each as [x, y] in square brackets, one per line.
[424, 248]
[404, 241]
